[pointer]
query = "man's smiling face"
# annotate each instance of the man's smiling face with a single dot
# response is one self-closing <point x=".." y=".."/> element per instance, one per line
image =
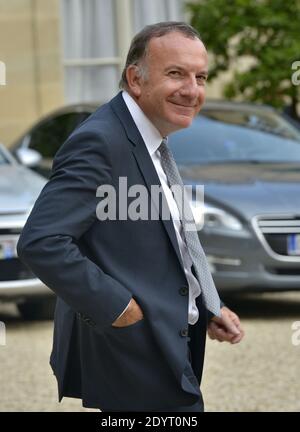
<point x="173" y="89"/>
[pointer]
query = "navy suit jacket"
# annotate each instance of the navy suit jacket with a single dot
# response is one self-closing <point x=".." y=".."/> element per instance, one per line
<point x="95" y="267"/>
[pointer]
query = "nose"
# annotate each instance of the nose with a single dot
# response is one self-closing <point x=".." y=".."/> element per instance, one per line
<point x="190" y="88"/>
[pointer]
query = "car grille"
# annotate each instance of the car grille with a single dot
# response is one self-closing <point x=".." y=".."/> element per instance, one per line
<point x="274" y="233"/>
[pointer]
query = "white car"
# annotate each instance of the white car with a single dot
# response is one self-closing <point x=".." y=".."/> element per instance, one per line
<point x="19" y="188"/>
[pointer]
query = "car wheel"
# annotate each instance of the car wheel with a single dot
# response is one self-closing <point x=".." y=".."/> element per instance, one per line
<point x="40" y="309"/>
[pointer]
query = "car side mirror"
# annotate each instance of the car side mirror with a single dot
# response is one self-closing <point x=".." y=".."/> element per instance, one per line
<point x="28" y="157"/>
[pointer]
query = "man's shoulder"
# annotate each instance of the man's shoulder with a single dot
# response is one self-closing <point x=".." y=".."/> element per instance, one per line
<point x="100" y="131"/>
<point x="102" y="119"/>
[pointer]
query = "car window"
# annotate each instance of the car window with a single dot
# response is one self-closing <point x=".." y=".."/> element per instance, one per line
<point x="225" y="136"/>
<point x="265" y="121"/>
<point x="3" y="158"/>
<point x="47" y="137"/>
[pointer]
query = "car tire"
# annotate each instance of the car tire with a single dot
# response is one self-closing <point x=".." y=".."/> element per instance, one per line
<point x="39" y="309"/>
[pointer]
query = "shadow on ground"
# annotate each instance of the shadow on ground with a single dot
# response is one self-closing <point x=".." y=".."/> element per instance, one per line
<point x="10" y="315"/>
<point x="265" y="305"/>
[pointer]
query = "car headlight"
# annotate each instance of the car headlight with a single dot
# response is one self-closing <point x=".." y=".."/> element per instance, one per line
<point x="208" y="216"/>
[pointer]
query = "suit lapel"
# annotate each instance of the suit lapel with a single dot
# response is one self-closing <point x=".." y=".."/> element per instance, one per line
<point x="144" y="163"/>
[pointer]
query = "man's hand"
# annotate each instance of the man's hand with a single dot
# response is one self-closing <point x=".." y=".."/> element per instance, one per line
<point x="226" y="328"/>
<point x="132" y="314"/>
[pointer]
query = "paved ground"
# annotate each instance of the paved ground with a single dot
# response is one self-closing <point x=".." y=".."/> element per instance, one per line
<point x="260" y="374"/>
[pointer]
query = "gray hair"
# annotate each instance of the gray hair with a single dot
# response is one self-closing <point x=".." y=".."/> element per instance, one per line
<point x="139" y="45"/>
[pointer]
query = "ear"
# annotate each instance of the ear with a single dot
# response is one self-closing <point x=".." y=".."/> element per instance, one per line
<point x="134" y="80"/>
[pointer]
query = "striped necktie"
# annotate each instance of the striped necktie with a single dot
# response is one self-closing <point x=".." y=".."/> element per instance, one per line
<point x="209" y="291"/>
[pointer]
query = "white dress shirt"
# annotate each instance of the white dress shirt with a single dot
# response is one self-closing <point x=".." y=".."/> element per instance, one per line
<point x="153" y="139"/>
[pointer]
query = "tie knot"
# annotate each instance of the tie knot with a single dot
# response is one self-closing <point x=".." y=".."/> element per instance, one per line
<point x="163" y="148"/>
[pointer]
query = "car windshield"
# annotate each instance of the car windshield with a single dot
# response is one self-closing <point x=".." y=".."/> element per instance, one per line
<point x="231" y="136"/>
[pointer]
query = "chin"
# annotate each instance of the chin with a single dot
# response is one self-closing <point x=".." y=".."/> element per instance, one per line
<point x="184" y="122"/>
<point x="176" y="127"/>
<point x="177" y="122"/>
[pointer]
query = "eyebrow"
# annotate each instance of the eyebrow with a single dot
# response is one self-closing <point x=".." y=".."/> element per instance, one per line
<point x="204" y="71"/>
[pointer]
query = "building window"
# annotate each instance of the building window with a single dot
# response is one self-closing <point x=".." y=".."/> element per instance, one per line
<point x="96" y="36"/>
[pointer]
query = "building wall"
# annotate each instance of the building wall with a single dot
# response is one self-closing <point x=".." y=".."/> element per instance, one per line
<point x="30" y="47"/>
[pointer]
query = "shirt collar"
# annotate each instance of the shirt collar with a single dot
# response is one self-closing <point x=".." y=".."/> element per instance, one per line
<point x="150" y="134"/>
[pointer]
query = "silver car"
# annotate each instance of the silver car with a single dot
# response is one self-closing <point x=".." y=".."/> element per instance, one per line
<point x="19" y="188"/>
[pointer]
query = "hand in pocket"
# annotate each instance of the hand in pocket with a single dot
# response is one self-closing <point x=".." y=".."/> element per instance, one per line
<point x="132" y="314"/>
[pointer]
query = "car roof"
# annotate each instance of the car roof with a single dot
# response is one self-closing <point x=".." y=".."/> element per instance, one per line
<point x="235" y="105"/>
<point x="89" y="107"/>
<point x="77" y="107"/>
<point x="209" y="104"/>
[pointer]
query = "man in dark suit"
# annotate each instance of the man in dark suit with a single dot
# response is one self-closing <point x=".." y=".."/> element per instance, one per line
<point x="131" y="315"/>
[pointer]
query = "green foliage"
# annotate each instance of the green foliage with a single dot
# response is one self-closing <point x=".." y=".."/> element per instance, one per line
<point x="266" y="31"/>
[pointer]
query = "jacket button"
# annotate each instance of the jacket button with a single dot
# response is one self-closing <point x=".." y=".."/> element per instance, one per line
<point x="183" y="290"/>
<point x="184" y="332"/>
<point x="86" y="319"/>
<point x="90" y="322"/>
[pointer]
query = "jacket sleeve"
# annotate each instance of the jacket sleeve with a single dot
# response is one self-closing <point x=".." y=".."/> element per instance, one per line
<point x="63" y="212"/>
<point x="210" y="315"/>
